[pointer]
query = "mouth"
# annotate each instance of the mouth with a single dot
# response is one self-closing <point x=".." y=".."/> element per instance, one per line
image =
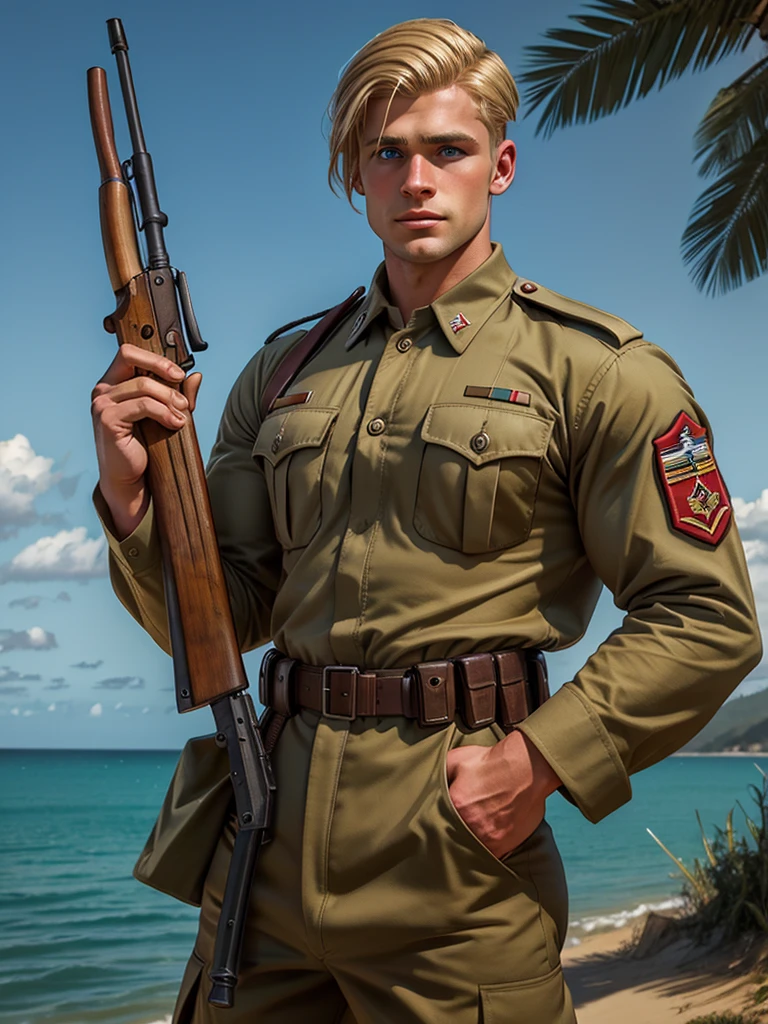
<point x="419" y="219"/>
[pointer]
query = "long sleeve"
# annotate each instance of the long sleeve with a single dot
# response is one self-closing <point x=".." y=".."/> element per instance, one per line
<point x="690" y="633"/>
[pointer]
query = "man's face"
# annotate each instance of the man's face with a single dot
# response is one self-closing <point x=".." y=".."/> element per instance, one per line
<point x="429" y="178"/>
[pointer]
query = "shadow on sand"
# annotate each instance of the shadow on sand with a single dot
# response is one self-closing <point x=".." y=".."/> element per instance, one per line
<point x="676" y="969"/>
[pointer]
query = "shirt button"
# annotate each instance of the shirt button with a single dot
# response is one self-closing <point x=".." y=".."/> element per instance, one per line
<point x="480" y="442"/>
<point x="133" y="552"/>
<point x="528" y="287"/>
<point x="403" y="345"/>
<point x="376" y="426"/>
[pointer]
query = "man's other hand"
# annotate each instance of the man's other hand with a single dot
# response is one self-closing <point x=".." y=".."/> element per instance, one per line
<point x="500" y="791"/>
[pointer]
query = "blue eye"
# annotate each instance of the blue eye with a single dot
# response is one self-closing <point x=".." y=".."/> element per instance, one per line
<point x="451" y="151"/>
<point x="388" y="153"/>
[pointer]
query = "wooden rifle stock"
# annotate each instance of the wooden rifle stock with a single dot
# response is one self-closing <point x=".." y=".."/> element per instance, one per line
<point x="207" y="658"/>
<point x="207" y="665"/>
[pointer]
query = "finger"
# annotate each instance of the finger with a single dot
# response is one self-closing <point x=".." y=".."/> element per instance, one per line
<point x="190" y="388"/>
<point x="130" y="358"/>
<point x="137" y="387"/>
<point x="125" y="413"/>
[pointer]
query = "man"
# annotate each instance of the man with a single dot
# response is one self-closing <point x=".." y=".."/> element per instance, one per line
<point x="444" y="487"/>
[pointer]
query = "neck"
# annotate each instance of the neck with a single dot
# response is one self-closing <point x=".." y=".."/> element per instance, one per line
<point x="413" y="285"/>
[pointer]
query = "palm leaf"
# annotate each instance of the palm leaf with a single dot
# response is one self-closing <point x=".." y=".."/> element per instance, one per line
<point x="726" y="240"/>
<point x="624" y="50"/>
<point x="737" y="116"/>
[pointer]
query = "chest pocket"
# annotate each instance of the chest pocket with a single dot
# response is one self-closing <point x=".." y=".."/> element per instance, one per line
<point x="479" y="476"/>
<point x="293" y="446"/>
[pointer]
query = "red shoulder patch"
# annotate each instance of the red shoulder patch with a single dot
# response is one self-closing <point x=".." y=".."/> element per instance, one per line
<point x="696" y="495"/>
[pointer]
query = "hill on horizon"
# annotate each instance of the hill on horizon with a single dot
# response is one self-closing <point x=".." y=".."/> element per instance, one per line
<point x="740" y="725"/>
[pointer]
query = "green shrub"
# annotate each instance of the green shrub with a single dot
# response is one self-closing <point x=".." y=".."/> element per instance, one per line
<point x="727" y="891"/>
<point x="724" y="1018"/>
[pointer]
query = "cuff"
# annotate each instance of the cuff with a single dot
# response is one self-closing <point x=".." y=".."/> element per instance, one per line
<point x="140" y="550"/>
<point x="571" y="737"/>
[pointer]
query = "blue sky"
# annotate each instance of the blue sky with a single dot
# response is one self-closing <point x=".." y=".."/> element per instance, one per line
<point x="233" y="98"/>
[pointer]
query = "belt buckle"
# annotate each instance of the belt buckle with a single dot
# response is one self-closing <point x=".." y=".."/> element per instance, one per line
<point x="354" y="672"/>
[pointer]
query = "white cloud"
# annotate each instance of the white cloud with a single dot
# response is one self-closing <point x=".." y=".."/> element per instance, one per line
<point x="96" y="711"/>
<point x="27" y="713"/>
<point x="120" y="683"/>
<point x="752" y="520"/>
<point x="33" y="639"/>
<point x="23" y="475"/>
<point x="15" y="711"/>
<point x="752" y="517"/>
<point x="51" y="707"/>
<point x="68" y="555"/>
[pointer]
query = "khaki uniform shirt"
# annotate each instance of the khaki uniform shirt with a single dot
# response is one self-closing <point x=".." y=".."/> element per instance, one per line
<point x="392" y="518"/>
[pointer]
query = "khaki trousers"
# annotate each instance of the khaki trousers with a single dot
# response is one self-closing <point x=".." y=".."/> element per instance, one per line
<point x="375" y="904"/>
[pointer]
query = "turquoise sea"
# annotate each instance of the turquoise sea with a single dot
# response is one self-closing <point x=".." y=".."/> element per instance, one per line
<point x="82" y="942"/>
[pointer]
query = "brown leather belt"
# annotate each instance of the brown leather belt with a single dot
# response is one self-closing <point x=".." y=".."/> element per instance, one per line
<point x="505" y="686"/>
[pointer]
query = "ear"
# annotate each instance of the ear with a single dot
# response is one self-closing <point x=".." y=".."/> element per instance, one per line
<point x="357" y="183"/>
<point x="504" y="172"/>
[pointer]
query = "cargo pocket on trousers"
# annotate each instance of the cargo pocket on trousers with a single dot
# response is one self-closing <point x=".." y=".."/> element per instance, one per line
<point x="292" y="446"/>
<point x="479" y="476"/>
<point x="544" y="1000"/>
<point x="184" y="1010"/>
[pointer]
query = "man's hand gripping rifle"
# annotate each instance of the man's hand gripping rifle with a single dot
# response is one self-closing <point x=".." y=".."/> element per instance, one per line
<point x="154" y="312"/>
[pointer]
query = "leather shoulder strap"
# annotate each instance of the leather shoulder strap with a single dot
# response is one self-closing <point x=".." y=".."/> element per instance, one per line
<point x="300" y="354"/>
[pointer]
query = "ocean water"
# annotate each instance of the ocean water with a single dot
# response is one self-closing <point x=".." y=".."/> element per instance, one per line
<point x="82" y="942"/>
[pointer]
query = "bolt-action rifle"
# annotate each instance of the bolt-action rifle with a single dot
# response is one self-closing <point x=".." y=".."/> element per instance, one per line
<point x="154" y="311"/>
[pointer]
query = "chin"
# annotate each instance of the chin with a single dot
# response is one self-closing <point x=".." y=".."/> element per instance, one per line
<point x="425" y="250"/>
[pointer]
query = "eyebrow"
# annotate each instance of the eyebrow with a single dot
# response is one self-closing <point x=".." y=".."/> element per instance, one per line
<point x="429" y="140"/>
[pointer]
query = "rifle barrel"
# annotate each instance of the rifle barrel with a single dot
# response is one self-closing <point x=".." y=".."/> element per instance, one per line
<point x="153" y="220"/>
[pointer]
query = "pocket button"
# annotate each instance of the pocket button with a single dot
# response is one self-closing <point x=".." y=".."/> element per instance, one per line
<point x="479" y="443"/>
<point x="376" y="426"/>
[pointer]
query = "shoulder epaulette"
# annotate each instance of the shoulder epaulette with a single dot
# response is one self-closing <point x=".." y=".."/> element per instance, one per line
<point x="619" y="331"/>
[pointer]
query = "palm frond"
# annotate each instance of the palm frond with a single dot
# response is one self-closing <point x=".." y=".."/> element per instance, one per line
<point x="735" y="118"/>
<point x="726" y="240"/>
<point x="624" y="50"/>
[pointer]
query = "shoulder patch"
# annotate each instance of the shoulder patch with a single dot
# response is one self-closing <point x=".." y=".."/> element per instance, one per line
<point x="697" y="500"/>
<point x="618" y="331"/>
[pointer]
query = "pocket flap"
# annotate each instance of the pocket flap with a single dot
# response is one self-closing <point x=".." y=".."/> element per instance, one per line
<point x="506" y="431"/>
<point x="544" y="999"/>
<point x="283" y="432"/>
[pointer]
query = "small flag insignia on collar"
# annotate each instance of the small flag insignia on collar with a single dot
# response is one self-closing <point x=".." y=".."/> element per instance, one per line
<point x="498" y="394"/>
<point x="458" y="323"/>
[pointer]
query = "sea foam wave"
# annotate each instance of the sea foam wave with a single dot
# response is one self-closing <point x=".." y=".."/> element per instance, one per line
<point x="604" y="922"/>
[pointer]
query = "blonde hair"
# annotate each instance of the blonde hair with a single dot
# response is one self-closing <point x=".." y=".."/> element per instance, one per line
<point x="413" y="58"/>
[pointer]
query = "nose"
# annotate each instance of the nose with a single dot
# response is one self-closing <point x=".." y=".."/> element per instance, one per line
<point x="418" y="180"/>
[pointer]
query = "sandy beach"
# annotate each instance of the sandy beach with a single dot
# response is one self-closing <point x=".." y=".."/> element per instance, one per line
<point x="677" y="983"/>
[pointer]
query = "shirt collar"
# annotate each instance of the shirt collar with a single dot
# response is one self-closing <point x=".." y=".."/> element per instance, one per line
<point x="460" y="312"/>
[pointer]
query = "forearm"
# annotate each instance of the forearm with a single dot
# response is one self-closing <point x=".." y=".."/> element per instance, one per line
<point x="127" y="505"/>
<point x="644" y="693"/>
